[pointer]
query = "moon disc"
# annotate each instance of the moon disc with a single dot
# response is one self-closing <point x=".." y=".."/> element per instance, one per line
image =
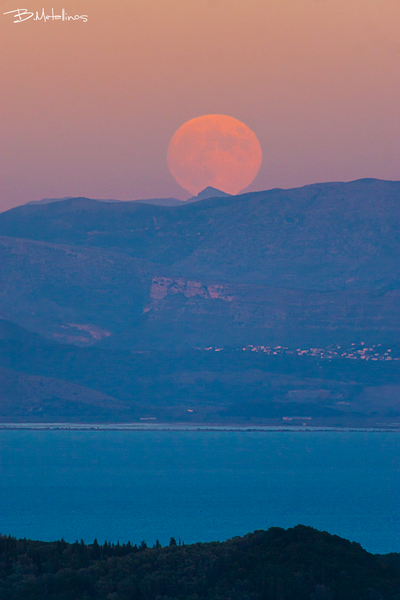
<point x="214" y="150"/>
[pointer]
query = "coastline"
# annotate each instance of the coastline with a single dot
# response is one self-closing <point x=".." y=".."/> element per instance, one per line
<point x="185" y="427"/>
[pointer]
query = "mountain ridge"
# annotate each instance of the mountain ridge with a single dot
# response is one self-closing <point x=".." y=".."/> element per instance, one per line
<point x="325" y="236"/>
<point x="313" y="267"/>
<point x="208" y="192"/>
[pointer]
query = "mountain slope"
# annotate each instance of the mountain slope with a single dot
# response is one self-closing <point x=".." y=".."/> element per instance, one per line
<point x="63" y="382"/>
<point x="72" y="294"/>
<point x="24" y="396"/>
<point x="325" y="236"/>
<point x="137" y="293"/>
<point x="311" y="264"/>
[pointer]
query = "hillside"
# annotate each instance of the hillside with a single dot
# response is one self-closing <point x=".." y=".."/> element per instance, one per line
<point x="317" y="264"/>
<point x="297" y="564"/>
<point x="72" y="294"/>
<point x="46" y="381"/>
<point x="114" y="289"/>
<point x="324" y="236"/>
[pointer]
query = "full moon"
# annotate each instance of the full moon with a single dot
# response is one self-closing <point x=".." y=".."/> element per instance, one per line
<point x="214" y="150"/>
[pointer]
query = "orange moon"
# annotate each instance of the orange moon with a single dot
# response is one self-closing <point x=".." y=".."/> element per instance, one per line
<point x="214" y="150"/>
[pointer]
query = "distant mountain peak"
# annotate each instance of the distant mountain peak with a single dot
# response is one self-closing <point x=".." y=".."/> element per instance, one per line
<point x="209" y="192"/>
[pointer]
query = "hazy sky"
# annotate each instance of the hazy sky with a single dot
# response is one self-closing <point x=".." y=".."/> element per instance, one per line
<point x="89" y="108"/>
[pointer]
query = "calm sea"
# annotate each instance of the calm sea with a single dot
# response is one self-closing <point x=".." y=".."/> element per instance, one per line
<point x="199" y="486"/>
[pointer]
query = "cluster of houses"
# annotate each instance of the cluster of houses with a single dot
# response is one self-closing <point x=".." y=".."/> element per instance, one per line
<point x="361" y="351"/>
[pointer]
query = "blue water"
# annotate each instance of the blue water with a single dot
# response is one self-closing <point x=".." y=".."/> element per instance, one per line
<point x="199" y="486"/>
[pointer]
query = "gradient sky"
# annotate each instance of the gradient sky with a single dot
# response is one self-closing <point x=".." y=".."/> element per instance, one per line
<point x="89" y="108"/>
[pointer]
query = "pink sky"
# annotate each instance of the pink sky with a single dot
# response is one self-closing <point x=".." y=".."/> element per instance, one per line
<point x="89" y="108"/>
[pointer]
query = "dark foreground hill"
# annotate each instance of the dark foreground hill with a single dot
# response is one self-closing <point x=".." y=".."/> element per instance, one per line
<point x="298" y="564"/>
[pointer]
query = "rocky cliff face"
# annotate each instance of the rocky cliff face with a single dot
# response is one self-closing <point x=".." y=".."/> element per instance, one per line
<point x="207" y="313"/>
<point x="164" y="286"/>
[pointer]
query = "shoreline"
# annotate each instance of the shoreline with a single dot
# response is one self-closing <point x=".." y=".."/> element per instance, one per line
<point x="185" y="427"/>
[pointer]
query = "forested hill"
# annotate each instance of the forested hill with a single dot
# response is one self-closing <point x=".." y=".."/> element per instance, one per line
<point x="297" y="564"/>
